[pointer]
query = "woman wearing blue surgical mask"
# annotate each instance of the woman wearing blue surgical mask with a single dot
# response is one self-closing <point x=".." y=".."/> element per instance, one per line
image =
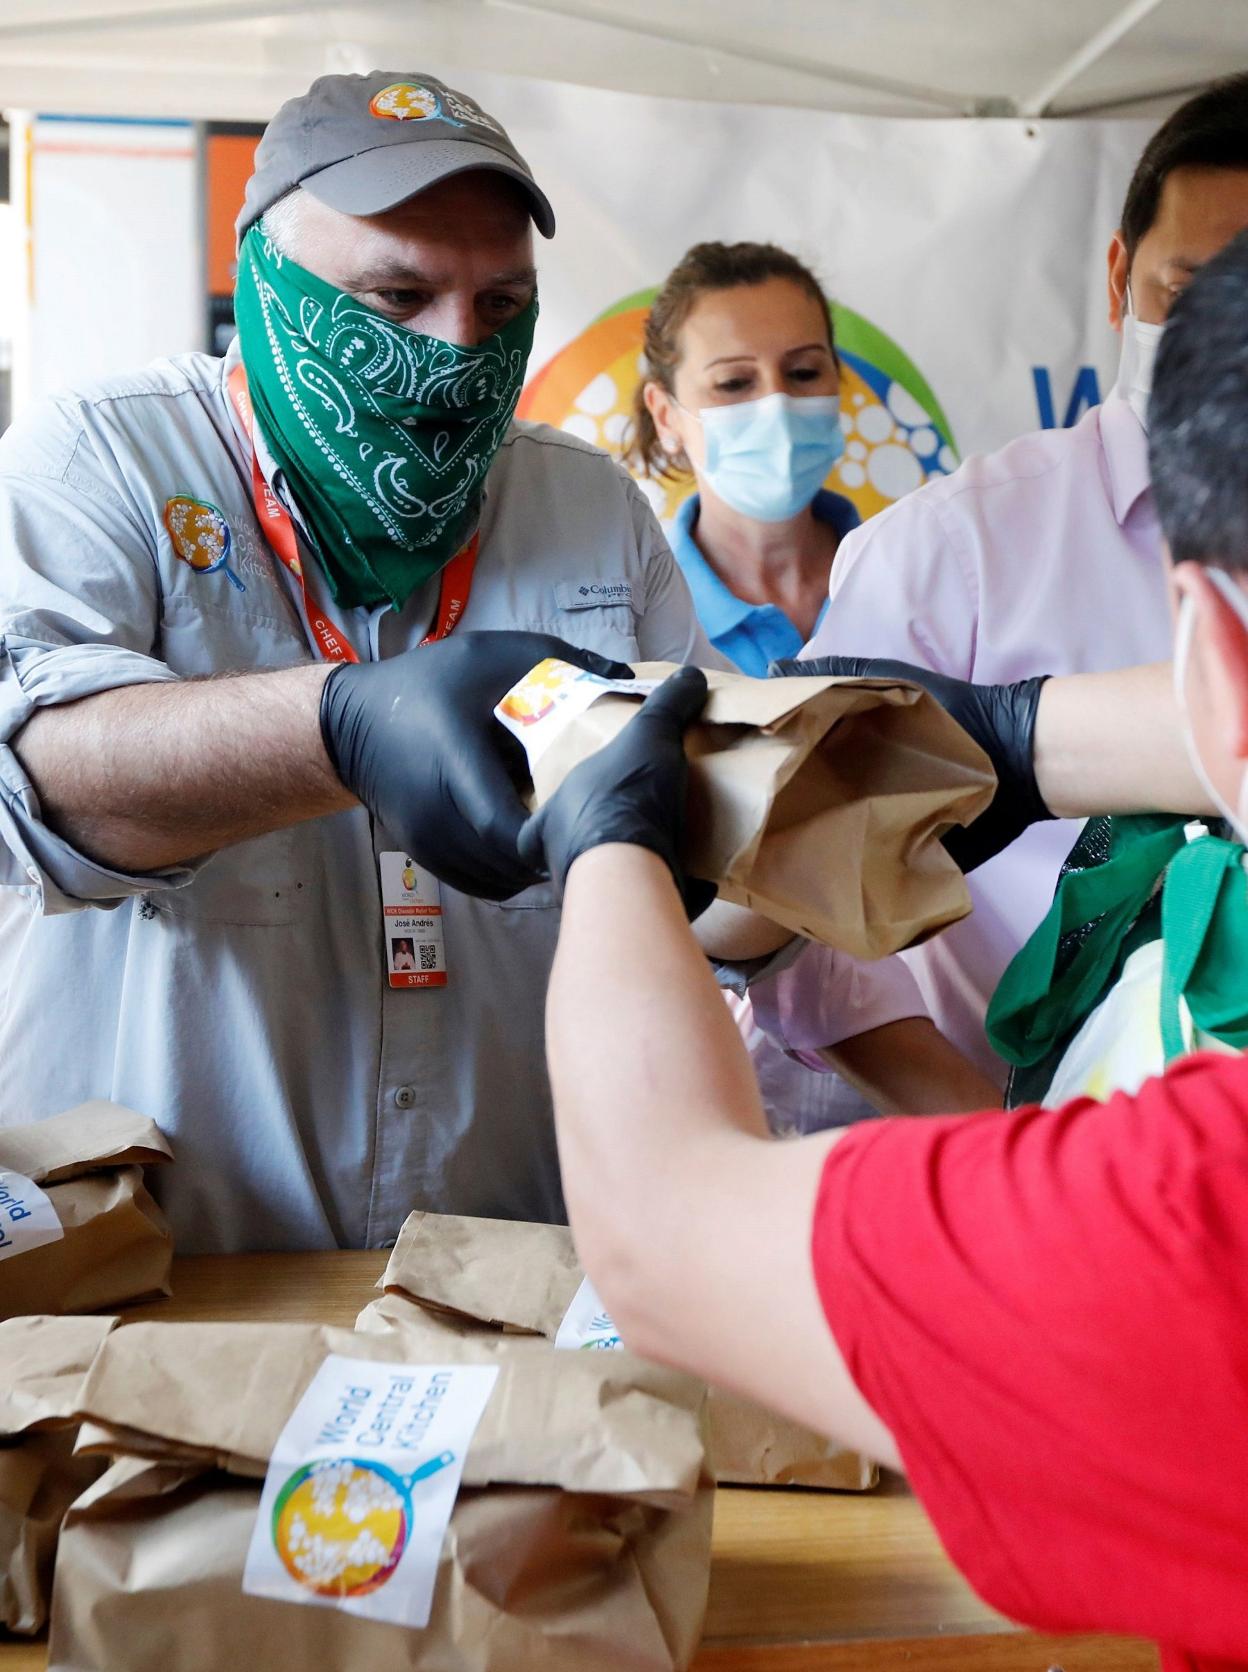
<point x="744" y="393"/>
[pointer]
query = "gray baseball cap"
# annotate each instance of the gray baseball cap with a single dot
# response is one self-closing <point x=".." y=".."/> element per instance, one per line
<point x="364" y="143"/>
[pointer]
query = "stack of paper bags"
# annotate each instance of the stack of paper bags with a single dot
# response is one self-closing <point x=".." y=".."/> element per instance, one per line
<point x="45" y="1362"/>
<point x="818" y="802"/>
<point x="78" y="1229"/>
<point x="579" y="1536"/>
<point x="475" y="1275"/>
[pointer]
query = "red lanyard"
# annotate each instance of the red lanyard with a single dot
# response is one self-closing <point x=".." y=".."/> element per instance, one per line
<point x="279" y="530"/>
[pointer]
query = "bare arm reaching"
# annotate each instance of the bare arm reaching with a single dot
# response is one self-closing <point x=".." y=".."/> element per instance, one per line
<point x="741" y="1307"/>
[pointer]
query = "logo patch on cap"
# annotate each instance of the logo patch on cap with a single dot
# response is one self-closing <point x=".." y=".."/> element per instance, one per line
<point x="411" y="101"/>
<point x="407" y="101"/>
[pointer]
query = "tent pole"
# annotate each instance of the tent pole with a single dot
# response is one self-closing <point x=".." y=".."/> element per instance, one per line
<point x="1092" y="49"/>
<point x="234" y="11"/>
<point x="953" y="104"/>
<point x="1141" y="95"/>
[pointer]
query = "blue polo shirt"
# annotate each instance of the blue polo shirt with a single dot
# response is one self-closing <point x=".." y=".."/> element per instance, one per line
<point x="751" y="635"/>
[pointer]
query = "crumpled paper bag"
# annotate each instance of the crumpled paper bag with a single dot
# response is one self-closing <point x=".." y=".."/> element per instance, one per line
<point x="45" y="1361"/>
<point x="818" y="802"/>
<point x="580" y="1537"/>
<point x="117" y="1244"/>
<point x="502" y="1274"/>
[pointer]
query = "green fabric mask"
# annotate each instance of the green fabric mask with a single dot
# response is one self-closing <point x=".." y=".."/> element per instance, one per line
<point x="385" y="436"/>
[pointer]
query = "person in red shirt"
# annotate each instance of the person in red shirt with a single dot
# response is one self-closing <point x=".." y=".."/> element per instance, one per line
<point x="1041" y="1316"/>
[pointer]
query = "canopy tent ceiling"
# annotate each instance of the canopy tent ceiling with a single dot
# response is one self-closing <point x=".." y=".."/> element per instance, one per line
<point x="237" y="59"/>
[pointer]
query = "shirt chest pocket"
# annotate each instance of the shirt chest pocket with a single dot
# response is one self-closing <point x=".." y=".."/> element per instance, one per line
<point x="254" y="884"/>
<point x="601" y="615"/>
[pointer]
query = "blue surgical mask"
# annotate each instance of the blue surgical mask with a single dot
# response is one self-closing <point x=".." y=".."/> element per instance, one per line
<point x="767" y="459"/>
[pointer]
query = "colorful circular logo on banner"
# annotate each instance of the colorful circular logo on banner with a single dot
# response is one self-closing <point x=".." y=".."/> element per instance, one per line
<point x="896" y="433"/>
<point x="340" y="1525"/>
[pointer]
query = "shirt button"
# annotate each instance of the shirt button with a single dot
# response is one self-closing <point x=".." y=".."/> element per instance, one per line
<point x="405" y="1096"/>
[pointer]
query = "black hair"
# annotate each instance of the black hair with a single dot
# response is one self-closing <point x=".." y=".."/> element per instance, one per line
<point x="1209" y="131"/>
<point x="1198" y="415"/>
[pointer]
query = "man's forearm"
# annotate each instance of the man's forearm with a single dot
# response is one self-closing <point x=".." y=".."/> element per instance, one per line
<point x="148" y="776"/>
<point x="736" y="935"/>
<point x="908" y="1067"/>
<point x="1113" y="743"/>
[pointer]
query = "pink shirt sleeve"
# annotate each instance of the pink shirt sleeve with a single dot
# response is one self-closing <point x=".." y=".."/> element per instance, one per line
<point x="905" y="585"/>
<point x="824" y="997"/>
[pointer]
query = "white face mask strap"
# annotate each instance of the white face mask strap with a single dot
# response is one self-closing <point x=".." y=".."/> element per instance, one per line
<point x="1225" y="584"/>
<point x="1230" y="590"/>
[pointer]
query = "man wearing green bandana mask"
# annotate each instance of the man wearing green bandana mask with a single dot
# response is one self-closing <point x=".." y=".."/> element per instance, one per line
<point x="344" y="518"/>
<point x="334" y="380"/>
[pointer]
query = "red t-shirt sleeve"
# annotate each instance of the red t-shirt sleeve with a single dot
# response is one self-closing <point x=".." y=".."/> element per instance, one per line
<point x="1050" y="1312"/>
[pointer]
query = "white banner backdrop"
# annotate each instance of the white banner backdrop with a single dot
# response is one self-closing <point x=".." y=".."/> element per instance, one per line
<point x="968" y="257"/>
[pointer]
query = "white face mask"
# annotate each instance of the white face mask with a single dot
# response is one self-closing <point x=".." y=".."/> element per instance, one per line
<point x="768" y="458"/>
<point x="1236" y="817"/>
<point x="1135" y="365"/>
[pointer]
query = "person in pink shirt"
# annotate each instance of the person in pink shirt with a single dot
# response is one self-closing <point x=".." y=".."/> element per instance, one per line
<point x="1044" y="557"/>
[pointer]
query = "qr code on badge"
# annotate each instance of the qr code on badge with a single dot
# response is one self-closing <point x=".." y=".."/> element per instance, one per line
<point x="428" y="957"/>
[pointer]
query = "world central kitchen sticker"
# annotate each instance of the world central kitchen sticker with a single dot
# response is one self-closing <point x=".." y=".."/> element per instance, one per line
<point x="361" y="1485"/>
<point x="27" y="1217"/>
<point x="539" y="706"/>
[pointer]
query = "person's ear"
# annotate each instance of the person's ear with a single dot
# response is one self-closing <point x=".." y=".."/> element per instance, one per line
<point x="1220" y="640"/>
<point x="1119" y="273"/>
<point x="659" y="405"/>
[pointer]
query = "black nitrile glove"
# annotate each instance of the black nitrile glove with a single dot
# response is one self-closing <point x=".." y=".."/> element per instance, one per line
<point x="415" y="739"/>
<point x="631" y="791"/>
<point x="1001" y="719"/>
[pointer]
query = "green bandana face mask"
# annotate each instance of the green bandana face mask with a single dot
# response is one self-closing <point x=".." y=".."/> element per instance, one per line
<point x="385" y="435"/>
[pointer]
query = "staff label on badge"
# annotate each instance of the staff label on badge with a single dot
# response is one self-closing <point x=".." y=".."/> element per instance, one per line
<point x="27" y="1217"/>
<point x="361" y="1486"/>
<point x="411" y="906"/>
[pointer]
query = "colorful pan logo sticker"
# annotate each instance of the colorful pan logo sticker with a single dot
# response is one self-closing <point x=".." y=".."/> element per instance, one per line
<point x="200" y="535"/>
<point x="407" y="101"/>
<point x="896" y="433"/>
<point x="341" y="1525"/>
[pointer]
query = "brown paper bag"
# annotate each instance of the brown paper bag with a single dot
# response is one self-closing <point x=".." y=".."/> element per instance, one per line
<point x="117" y="1245"/>
<point x="503" y="1274"/>
<point x="580" y="1537"/>
<point x="43" y="1366"/>
<point x="818" y="802"/>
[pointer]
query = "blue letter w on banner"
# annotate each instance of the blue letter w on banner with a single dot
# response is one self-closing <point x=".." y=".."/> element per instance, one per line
<point x="1084" y="392"/>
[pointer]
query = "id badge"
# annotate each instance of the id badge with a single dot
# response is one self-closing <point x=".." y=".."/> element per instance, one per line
<point x="411" y="905"/>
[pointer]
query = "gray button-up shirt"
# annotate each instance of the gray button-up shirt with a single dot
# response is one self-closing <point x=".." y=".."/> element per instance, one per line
<point x="244" y="1003"/>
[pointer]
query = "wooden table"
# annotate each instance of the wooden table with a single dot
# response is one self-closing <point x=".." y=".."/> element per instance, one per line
<point x="800" y="1581"/>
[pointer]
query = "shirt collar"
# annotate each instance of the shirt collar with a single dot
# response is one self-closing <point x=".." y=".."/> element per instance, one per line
<point x="1125" y="446"/>
<point x="717" y="607"/>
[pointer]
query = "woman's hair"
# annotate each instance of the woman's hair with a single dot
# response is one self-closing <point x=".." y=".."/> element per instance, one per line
<point x="703" y="268"/>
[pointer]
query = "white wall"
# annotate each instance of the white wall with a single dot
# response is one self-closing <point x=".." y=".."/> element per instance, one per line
<point x="115" y="240"/>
